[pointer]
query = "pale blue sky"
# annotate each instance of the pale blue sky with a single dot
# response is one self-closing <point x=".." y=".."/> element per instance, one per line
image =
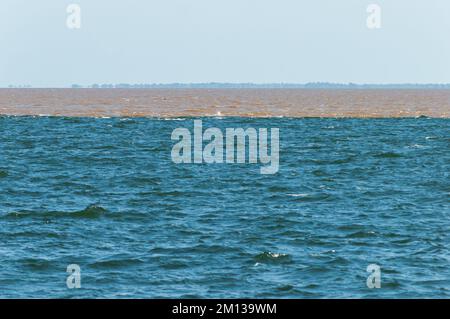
<point x="149" y="41"/>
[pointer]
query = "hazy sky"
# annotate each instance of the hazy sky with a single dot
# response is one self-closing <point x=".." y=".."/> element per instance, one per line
<point x="148" y="41"/>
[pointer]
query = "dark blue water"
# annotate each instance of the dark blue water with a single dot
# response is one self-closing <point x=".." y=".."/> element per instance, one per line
<point x="104" y="194"/>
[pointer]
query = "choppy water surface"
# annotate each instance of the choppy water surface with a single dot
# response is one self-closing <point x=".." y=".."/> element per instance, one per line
<point x="104" y="194"/>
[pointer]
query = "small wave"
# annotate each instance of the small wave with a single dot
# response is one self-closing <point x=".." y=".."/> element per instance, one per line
<point x="324" y="253"/>
<point x="392" y="285"/>
<point x="174" y="264"/>
<point x="273" y="258"/>
<point x="388" y="155"/>
<point x="351" y="227"/>
<point x="33" y="234"/>
<point x="36" y="263"/>
<point x="415" y="146"/>
<point x="199" y="249"/>
<point x="116" y="263"/>
<point x="298" y="195"/>
<point x="361" y="234"/>
<point x="285" y="288"/>
<point x="92" y="211"/>
<point x="172" y="118"/>
<point x="277" y="189"/>
<point x="174" y="193"/>
<point x="345" y="160"/>
<point x="319" y="172"/>
<point x="311" y="197"/>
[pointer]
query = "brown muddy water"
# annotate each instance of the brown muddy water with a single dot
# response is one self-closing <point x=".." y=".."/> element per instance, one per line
<point x="226" y="102"/>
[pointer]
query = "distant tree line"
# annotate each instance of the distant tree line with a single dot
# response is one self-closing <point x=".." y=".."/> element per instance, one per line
<point x="24" y="86"/>
<point x="311" y="85"/>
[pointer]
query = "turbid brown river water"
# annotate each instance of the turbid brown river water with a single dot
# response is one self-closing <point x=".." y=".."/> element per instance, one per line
<point x="226" y="102"/>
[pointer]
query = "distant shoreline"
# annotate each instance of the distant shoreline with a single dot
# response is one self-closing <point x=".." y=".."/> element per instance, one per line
<point x="220" y="85"/>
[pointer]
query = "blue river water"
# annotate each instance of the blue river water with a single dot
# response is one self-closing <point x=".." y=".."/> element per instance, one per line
<point x="104" y="194"/>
